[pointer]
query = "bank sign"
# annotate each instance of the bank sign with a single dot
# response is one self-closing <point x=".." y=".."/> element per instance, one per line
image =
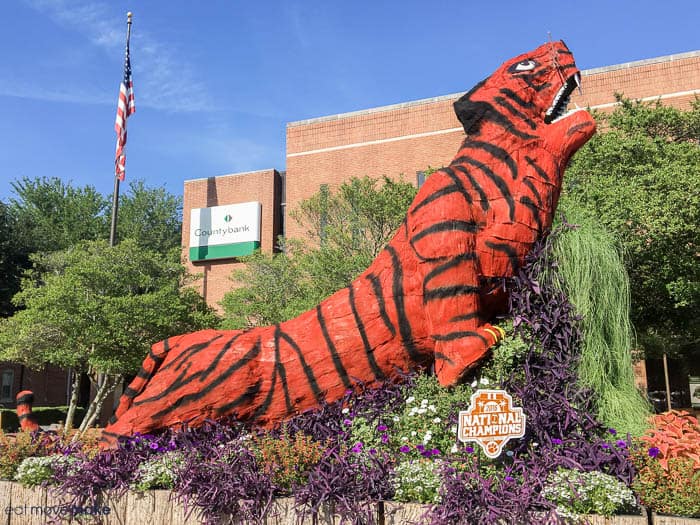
<point x="223" y="232"/>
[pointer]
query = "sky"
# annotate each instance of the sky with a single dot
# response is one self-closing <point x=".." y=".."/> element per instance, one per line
<point x="216" y="81"/>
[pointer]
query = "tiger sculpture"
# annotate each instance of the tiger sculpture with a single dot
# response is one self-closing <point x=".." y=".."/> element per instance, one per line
<point x="425" y="300"/>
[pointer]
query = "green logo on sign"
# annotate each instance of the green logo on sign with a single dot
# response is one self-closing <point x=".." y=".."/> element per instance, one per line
<point x="228" y="218"/>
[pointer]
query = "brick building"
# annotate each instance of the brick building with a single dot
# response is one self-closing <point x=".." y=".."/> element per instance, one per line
<point x="401" y="139"/>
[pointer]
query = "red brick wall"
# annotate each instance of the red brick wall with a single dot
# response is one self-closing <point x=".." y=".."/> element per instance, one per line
<point x="261" y="186"/>
<point x="49" y="385"/>
<point x="406" y="138"/>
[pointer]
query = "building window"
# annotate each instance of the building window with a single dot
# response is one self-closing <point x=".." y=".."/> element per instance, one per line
<point x="420" y="178"/>
<point x="8" y="382"/>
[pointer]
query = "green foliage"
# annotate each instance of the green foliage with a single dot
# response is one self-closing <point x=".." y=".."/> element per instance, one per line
<point x="640" y="178"/>
<point x="14" y="257"/>
<point x="418" y="481"/>
<point x="423" y="423"/>
<point x="276" y="289"/>
<point x="597" y="285"/>
<point x="347" y="230"/>
<point x="672" y="490"/>
<point x="507" y="357"/>
<point x="44" y="416"/>
<point x="152" y="217"/>
<point x="579" y="493"/>
<point x="37" y="470"/>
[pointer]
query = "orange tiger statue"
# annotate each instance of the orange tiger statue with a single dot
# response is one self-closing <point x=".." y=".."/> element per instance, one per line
<point x="427" y="297"/>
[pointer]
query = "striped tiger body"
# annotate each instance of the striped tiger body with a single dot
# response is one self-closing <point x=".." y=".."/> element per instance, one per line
<point x="27" y="420"/>
<point x="427" y="297"/>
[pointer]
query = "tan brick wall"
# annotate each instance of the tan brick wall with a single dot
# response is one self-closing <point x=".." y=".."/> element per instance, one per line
<point x="261" y="186"/>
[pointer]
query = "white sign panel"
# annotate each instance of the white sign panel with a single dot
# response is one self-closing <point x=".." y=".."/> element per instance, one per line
<point x="223" y="232"/>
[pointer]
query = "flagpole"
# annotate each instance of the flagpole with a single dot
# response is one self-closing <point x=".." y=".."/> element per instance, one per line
<point x="115" y="193"/>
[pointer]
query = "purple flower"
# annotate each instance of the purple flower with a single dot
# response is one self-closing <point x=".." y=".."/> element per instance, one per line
<point x="556" y="441"/>
<point x="621" y="443"/>
<point x="381" y="428"/>
<point x="653" y="452"/>
<point x="347" y="422"/>
<point x="468" y="449"/>
<point x="372" y="451"/>
<point x="153" y="446"/>
<point x="508" y="478"/>
<point x="435" y="452"/>
<point x="357" y="447"/>
<point x="605" y="445"/>
<point x="425" y="454"/>
<point x="405" y="449"/>
<point x="385" y="438"/>
<point x="612" y="431"/>
<point x="420" y="448"/>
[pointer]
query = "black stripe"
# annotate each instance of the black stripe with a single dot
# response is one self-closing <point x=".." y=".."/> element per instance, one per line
<point x="578" y="127"/>
<point x="527" y="202"/>
<point x="536" y="87"/>
<point x="509" y="251"/>
<point x="397" y="291"/>
<point x="308" y="371"/>
<point x="449" y="171"/>
<point x="215" y="362"/>
<point x="369" y="351"/>
<point x="498" y="181"/>
<point x="445" y="292"/>
<point x="130" y="392"/>
<point x="246" y="396"/>
<point x="562" y="52"/>
<point x="443" y="357"/>
<point x="532" y="162"/>
<point x="515" y="112"/>
<point x="446" y="226"/>
<point x="342" y="373"/>
<point x="22" y="417"/>
<point x="459" y="335"/>
<point x="26" y="399"/>
<point x="483" y="198"/>
<point x="143" y="374"/>
<point x="452" y="188"/>
<point x="453" y="262"/>
<point x="265" y="405"/>
<point x="498" y="118"/>
<point x="515" y="98"/>
<point x="567" y="66"/>
<point x="534" y="191"/>
<point x="379" y="294"/>
<point x="113" y="419"/>
<point x="279" y="367"/>
<point x="497" y="152"/>
<point x="465" y="317"/>
<point x="186" y="353"/>
<point x="181" y="381"/>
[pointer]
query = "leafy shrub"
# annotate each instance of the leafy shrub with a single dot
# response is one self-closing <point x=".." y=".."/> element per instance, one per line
<point x="418" y="480"/>
<point x="287" y="460"/>
<point x="668" y="464"/>
<point x="578" y="493"/>
<point x="160" y="472"/>
<point x="15" y="449"/>
<point x="37" y="470"/>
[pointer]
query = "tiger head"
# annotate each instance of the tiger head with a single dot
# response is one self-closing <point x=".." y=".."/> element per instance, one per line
<point x="526" y="99"/>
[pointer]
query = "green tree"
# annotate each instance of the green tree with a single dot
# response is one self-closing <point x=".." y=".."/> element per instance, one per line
<point x="640" y="178"/>
<point x="345" y="232"/>
<point x="150" y="216"/>
<point x="98" y="309"/>
<point x="55" y="215"/>
<point x="14" y="257"/>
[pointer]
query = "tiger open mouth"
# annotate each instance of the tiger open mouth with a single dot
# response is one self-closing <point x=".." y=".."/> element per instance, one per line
<point x="558" y="108"/>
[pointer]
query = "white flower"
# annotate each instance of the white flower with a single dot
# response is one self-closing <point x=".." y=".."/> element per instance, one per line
<point x="410" y="400"/>
<point x="437" y="420"/>
<point x="395" y="419"/>
<point x="421" y="410"/>
<point x="424" y="403"/>
<point x="404" y="438"/>
<point x="345" y="410"/>
<point x="453" y="429"/>
<point x="484" y="381"/>
<point x="454" y="449"/>
<point x="414" y="433"/>
<point x="474" y="383"/>
<point x="432" y="408"/>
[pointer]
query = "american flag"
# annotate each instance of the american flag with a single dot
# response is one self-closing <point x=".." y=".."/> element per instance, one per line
<point x="125" y="107"/>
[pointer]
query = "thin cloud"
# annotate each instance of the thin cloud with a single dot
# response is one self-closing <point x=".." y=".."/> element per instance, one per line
<point x="162" y="80"/>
